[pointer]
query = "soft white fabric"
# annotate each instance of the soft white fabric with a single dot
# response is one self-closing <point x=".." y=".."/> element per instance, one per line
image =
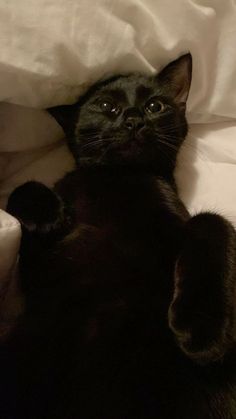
<point x="10" y="234"/>
<point x="52" y="49"/>
<point x="206" y="170"/>
<point x="31" y="146"/>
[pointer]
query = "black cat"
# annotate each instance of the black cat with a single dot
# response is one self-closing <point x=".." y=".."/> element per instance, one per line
<point x="129" y="302"/>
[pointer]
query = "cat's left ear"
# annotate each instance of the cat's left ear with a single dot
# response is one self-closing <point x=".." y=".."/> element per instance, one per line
<point x="66" y="116"/>
<point x="176" y="78"/>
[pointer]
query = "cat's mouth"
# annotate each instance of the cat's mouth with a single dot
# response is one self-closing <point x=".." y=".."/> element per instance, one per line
<point x="131" y="147"/>
<point x="128" y="150"/>
<point x="138" y="138"/>
<point x="134" y="143"/>
<point x="136" y="147"/>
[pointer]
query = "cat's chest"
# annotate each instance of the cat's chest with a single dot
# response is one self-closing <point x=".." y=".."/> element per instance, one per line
<point x="125" y="235"/>
<point x="134" y="206"/>
<point x="120" y="253"/>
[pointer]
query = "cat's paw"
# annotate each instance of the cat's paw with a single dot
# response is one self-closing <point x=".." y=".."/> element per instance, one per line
<point x="202" y="312"/>
<point x="38" y="209"/>
<point x="202" y="337"/>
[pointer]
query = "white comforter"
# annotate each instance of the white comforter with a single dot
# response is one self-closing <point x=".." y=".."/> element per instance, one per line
<point x="51" y="50"/>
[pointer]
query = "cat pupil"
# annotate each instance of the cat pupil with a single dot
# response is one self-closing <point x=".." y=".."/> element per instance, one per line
<point x="155" y="106"/>
<point x="107" y="106"/>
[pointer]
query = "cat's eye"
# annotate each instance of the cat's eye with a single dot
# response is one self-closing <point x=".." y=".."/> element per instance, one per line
<point x="108" y="107"/>
<point x="154" y="105"/>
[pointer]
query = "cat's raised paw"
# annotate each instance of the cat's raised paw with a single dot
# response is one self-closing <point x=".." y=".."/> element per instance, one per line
<point x="201" y="338"/>
<point x="202" y="312"/>
<point x="38" y="208"/>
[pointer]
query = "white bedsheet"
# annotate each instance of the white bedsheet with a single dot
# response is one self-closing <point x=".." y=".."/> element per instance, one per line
<point x="52" y="49"/>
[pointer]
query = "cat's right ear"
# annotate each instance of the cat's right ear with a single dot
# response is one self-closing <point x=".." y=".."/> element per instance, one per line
<point x="176" y="78"/>
<point x="66" y="116"/>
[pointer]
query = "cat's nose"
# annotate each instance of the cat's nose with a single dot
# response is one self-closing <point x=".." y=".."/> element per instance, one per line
<point x="134" y="123"/>
<point x="133" y="119"/>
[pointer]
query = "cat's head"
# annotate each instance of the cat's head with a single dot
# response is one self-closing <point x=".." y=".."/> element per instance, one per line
<point x="134" y="120"/>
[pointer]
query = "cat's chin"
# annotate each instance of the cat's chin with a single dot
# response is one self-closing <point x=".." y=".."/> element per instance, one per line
<point x="130" y="148"/>
<point x="137" y="152"/>
<point x="122" y="153"/>
<point x="129" y="154"/>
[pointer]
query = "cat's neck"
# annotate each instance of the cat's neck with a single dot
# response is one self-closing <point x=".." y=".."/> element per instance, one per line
<point x="127" y="171"/>
<point x="113" y="182"/>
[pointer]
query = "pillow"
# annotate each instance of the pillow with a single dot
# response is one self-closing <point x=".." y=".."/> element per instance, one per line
<point x="50" y="51"/>
<point x="31" y="146"/>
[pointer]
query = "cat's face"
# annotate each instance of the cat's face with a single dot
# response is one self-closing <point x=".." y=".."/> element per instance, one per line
<point x="135" y="120"/>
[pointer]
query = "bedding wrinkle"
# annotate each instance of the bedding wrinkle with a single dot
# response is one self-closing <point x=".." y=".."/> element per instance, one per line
<point x="51" y="49"/>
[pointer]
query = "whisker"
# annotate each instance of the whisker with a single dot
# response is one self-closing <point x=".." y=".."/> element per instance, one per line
<point x="172" y="126"/>
<point x="170" y="139"/>
<point x="94" y="144"/>
<point x="167" y="144"/>
<point x="199" y="153"/>
<point x="165" y="152"/>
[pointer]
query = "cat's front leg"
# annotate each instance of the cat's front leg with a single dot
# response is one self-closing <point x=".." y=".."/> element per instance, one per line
<point x="39" y="209"/>
<point x="202" y="312"/>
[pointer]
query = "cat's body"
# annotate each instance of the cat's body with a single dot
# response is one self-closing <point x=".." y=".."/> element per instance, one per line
<point x="128" y="301"/>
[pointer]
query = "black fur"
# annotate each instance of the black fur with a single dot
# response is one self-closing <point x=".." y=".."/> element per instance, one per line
<point x="129" y="302"/>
